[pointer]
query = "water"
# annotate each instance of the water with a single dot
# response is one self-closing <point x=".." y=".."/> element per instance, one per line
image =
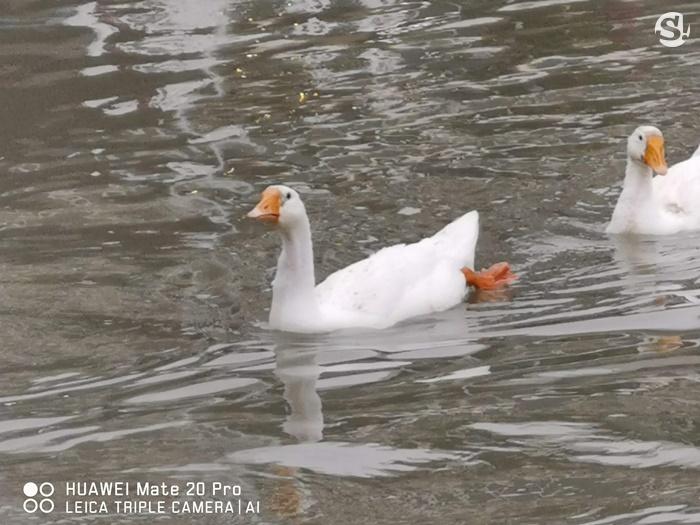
<point x="134" y="296"/>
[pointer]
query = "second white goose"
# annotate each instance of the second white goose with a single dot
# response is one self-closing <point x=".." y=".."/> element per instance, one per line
<point x="666" y="204"/>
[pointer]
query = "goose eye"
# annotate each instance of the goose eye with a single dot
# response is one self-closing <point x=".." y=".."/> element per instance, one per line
<point x="640" y="137"/>
<point x="289" y="196"/>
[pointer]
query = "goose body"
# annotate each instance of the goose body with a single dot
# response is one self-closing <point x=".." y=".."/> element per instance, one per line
<point x="405" y="280"/>
<point x="661" y="205"/>
<point x="394" y="284"/>
<point x="677" y="196"/>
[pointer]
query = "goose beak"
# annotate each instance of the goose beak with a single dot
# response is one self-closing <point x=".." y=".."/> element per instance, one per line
<point x="268" y="209"/>
<point x="654" y="156"/>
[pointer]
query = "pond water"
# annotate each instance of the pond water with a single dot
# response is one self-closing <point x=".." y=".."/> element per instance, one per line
<point x="135" y="135"/>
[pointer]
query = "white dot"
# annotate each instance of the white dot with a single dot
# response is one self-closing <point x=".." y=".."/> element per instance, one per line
<point x="30" y="489"/>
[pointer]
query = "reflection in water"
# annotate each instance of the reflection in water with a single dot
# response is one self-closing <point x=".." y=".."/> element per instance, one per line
<point x="337" y="458"/>
<point x="662" y="344"/>
<point x="88" y="15"/>
<point x="636" y="254"/>
<point x="299" y="371"/>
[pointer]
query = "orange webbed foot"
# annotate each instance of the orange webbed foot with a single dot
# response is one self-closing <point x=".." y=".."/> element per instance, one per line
<point x="497" y="276"/>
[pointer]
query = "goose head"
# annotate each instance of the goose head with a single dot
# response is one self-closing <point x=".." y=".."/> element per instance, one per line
<point x="279" y="205"/>
<point x="646" y="146"/>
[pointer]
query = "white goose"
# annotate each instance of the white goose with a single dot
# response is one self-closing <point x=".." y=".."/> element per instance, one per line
<point x="656" y="205"/>
<point x="396" y="283"/>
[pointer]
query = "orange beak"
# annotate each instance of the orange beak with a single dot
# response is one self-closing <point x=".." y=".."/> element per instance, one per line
<point x="654" y="156"/>
<point x="268" y="209"/>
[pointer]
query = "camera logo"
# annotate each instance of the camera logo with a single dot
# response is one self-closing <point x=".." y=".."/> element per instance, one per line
<point x="32" y="503"/>
<point x="671" y="31"/>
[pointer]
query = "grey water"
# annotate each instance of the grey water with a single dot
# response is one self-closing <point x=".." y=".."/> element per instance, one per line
<point x="134" y="136"/>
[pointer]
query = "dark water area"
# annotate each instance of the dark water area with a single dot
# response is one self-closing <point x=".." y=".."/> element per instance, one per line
<point x="134" y="136"/>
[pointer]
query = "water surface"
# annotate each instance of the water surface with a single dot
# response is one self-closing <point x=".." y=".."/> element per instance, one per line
<point x="137" y="134"/>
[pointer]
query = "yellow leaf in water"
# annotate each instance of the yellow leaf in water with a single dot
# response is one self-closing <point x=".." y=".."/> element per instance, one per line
<point x="302" y="97"/>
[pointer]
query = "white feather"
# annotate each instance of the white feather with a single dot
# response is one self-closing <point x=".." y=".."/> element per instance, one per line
<point x="677" y="196"/>
<point x="404" y="280"/>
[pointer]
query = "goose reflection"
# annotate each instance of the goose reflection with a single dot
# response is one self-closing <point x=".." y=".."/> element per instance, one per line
<point x="662" y="267"/>
<point x="299" y="371"/>
<point x="636" y="254"/>
<point x="661" y="344"/>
